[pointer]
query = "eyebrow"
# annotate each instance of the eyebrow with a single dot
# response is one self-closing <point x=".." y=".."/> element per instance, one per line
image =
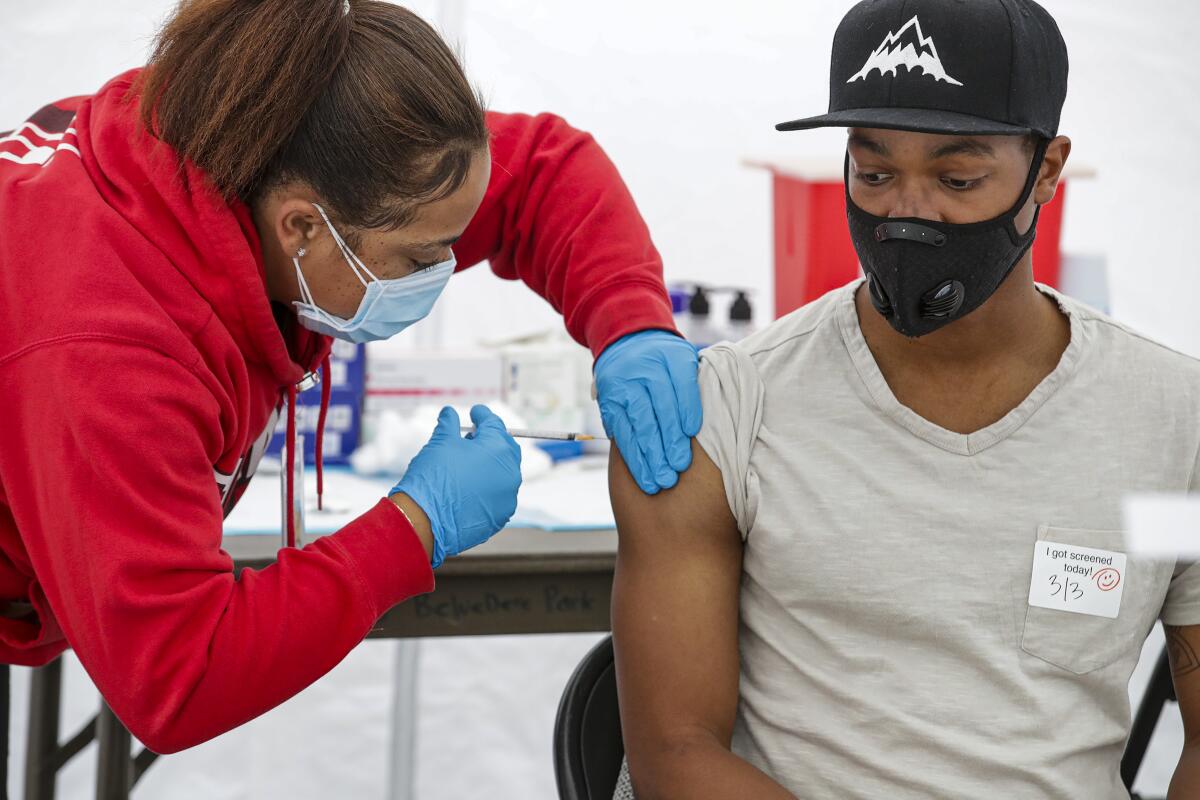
<point x="431" y="245"/>
<point x="964" y="147"/>
<point x="958" y="147"/>
<point x="878" y="148"/>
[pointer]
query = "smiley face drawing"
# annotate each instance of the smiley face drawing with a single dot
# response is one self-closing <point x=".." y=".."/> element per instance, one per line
<point x="1107" y="579"/>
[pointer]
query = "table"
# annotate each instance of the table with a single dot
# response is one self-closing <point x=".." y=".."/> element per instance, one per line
<point x="522" y="581"/>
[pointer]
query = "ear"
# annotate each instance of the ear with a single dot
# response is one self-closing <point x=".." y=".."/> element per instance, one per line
<point x="1057" y="153"/>
<point x="294" y="219"/>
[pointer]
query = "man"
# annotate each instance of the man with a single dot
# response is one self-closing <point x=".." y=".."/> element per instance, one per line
<point x="896" y="569"/>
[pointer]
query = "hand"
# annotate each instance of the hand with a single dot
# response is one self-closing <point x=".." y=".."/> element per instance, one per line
<point x="650" y="403"/>
<point x="466" y="486"/>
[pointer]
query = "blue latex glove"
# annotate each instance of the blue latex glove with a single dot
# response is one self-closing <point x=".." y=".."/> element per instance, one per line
<point x="650" y="403"/>
<point x="466" y="486"/>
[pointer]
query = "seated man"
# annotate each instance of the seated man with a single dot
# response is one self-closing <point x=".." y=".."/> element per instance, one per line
<point x="896" y="569"/>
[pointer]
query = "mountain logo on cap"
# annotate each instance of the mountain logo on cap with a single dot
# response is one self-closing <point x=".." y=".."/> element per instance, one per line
<point x="909" y="48"/>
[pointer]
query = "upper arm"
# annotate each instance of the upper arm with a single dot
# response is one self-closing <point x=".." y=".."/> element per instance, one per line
<point x="675" y="611"/>
<point x="1183" y="649"/>
<point x="558" y="217"/>
<point x="1183" y="641"/>
<point x="527" y="154"/>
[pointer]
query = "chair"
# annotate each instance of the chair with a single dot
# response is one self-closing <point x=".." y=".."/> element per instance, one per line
<point x="587" y="731"/>
<point x="1159" y="692"/>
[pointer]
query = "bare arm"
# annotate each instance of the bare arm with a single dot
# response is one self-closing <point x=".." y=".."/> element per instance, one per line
<point x="675" y="621"/>
<point x="1183" y="649"/>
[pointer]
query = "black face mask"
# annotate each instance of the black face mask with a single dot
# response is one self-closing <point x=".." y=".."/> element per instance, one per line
<point x="922" y="274"/>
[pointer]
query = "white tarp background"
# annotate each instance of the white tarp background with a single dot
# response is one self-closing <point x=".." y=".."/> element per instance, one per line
<point x="678" y="93"/>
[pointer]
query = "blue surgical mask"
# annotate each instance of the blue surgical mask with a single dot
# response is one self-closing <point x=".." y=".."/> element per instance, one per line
<point x="387" y="307"/>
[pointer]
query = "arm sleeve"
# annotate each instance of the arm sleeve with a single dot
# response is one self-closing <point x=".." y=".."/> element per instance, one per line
<point x="731" y="392"/>
<point x="558" y="217"/>
<point x="1182" y="605"/>
<point x="106" y="456"/>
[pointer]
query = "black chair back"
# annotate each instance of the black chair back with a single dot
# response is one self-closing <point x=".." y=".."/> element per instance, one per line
<point x="587" y="731"/>
<point x="588" y="749"/>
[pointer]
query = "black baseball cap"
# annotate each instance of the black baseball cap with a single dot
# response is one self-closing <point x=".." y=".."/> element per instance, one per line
<point x="969" y="67"/>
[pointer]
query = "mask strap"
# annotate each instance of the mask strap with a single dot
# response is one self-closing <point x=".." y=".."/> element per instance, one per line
<point x="305" y="293"/>
<point x="306" y="296"/>
<point x="356" y="265"/>
<point x="1035" y="168"/>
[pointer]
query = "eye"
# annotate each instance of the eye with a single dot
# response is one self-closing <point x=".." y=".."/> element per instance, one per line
<point x="962" y="184"/>
<point x="419" y="267"/>
<point x="873" y="178"/>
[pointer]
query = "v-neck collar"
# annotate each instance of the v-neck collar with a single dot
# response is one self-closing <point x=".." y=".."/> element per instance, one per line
<point x="967" y="444"/>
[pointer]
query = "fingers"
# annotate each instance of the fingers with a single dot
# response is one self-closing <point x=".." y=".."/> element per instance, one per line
<point x="683" y="367"/>
<point x="489" y="427"/>
<point x="676" y="445"/>
<point x="616" y="422"/>
<point x="646" y="426"/>
<point x="447" y="424"/>
<point x="483" y="417"/>
<point x="631" y="414"/>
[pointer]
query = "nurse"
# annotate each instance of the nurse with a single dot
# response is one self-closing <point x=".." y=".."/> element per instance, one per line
<point x="176" y="251"/>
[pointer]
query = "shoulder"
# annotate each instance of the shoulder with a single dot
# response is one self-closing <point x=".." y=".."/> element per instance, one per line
<point x="793" y="330"/>
<point x="1130" y="354"/>
<point x="804" y="333"/>
<point x="734" y="382"/>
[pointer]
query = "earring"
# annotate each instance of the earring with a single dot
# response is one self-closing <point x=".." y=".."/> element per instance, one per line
<point x="301" y="253"/>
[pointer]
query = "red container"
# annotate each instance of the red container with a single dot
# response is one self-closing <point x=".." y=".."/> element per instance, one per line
<point x="813" y="252"/>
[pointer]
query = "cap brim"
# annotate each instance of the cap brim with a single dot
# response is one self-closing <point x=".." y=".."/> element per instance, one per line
<point x="921" y="120"/>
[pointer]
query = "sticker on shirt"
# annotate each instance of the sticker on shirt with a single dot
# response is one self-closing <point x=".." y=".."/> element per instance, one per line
<point x="1081" y="580"/>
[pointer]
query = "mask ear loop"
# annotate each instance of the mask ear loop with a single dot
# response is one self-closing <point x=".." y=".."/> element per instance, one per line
<point x="1039" y="157"/>
<point x="356" y="266"/>
<point x="356" y="263"/>
<point x="306" y="295"/>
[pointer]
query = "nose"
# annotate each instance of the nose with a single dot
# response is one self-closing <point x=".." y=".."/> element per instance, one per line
<point x="911" y="200"/>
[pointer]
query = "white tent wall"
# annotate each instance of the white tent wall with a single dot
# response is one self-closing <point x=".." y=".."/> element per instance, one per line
<point x="678" y="93"/>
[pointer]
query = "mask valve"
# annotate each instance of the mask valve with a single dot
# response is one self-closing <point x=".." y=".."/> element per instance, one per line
<point x="879" y="298"/>
<point x="943" y="301"/>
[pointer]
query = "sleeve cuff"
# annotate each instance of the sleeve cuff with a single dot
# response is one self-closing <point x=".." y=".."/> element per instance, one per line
<point x="388" y="556"/>
<point x="1181" y="616"/>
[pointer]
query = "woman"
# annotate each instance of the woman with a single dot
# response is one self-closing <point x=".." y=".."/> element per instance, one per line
<point x="176" y="250"/>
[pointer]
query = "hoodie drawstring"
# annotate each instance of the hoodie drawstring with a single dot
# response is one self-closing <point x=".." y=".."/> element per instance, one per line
<point x="291" y="466"/>
<point x="325" y="389"/>
<point x="291" y="447"/>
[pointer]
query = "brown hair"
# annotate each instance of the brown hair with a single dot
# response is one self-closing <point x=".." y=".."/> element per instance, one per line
<point x="361" y="100"/>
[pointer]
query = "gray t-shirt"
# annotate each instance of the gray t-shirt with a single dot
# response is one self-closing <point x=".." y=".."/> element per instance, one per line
<point x="888" y="648"/>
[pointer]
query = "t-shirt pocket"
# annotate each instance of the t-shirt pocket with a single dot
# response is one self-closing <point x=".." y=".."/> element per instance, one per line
<point x="1081" y="643"/>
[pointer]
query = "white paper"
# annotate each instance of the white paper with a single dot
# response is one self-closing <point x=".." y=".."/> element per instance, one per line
<point x="1080" y="580"/>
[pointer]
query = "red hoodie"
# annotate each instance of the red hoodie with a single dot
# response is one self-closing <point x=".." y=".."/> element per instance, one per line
<point x="142" y="369"/>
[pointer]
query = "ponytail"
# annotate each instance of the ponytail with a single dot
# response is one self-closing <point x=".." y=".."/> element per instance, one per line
<point x="362" y="100"/>
<point x="230" y="80"/>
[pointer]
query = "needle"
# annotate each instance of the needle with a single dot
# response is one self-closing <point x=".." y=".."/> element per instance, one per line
<point x="562" y="436"/>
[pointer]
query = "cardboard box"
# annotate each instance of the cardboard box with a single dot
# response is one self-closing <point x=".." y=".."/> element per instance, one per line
<point x="343" y="423"/>
<point x="408" y="380"/>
